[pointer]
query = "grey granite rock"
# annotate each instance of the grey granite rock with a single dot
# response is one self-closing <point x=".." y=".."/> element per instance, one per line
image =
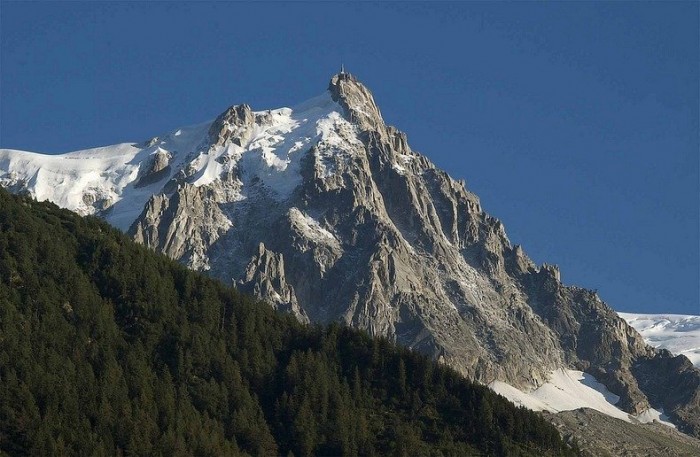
<point x="154" y="169"/>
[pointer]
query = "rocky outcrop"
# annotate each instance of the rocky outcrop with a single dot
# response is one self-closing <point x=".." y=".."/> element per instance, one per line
<point x="154" y="169"/>
<point x="231" y="125"/>
<point x="672" y="383"/>
<point x="265" y="278"/>
<point x="182" y="225"/>
<point x="357" y="102"/>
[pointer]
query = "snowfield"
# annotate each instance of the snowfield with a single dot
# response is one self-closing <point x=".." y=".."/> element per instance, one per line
<point x="678" y="333"/>
<point x="567" y="390"/>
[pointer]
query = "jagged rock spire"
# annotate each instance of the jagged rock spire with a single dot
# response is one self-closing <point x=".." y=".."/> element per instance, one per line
<point x="357" y="101"/>
<point x="229" y="123"/>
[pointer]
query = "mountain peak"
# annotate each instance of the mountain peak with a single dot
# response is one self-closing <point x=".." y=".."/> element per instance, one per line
<point x="357" y="101"/>
<point x="229" y="122"/>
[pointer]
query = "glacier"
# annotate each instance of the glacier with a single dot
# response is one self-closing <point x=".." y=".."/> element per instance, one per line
<point x="678" y="333"/>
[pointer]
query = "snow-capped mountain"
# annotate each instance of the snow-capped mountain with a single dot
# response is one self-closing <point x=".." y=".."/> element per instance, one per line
<point x="680" y="334"/>
<point x="117" y="181"/>
<point x="326" y="212"/>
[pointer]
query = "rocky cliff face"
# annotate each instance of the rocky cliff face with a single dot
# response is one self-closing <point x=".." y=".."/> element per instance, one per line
<point x="326" y="212"/>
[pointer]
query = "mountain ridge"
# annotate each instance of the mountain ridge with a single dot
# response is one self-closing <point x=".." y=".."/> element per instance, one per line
<point x="326" y="212"/>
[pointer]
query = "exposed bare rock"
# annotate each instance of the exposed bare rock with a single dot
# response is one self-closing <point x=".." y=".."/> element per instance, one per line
<point x="230" y="125"/>
<point x="674" y="384"/>
<point x="357" y="101"/>
<point x="265" y="278"/>
<point x="183" y="225"/>
<point x="155" y="168"/>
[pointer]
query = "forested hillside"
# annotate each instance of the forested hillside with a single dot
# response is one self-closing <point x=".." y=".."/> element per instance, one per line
<point x="109" y="349"/>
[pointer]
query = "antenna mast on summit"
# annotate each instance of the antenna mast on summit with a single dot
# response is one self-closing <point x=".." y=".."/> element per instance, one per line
<point x="342" y="68"/>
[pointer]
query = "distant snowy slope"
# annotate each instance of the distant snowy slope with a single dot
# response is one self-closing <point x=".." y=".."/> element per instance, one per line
<point x="679" y="334"/>
<point x="103" y="181"/>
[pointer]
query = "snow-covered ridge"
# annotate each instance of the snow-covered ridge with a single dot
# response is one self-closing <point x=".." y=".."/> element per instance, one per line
<point x="678" y="333"/>
<point x="111" y="180"/>
<point x="275" y="145"/>
<point x="93" y="180"/>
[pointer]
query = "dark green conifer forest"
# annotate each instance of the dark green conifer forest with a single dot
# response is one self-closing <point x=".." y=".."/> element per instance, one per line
<point x="107" y="348"/>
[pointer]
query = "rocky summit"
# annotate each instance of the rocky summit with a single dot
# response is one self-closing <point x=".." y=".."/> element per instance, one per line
<point x="326" y="212"/>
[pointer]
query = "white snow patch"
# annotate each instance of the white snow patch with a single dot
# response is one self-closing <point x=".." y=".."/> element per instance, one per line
<point x="276" y="147"/>
<point x="312" y="229"/>
<point x="678" y="333"/>
<point x="208" y="169"/>
<point x="339" y="138"/>
<point x="568" y="390"/>
<point x="654" y="415"/>
<point x="399" y="169"/>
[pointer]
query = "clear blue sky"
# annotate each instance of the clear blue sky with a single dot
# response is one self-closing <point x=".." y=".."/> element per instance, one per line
<point x="576" y="123"/>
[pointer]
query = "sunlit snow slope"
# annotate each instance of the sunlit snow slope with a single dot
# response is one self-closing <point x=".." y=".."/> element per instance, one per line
<point x="567" y="390"/>
<point x="97" y="179"/>
<point x="678" y="333"/>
